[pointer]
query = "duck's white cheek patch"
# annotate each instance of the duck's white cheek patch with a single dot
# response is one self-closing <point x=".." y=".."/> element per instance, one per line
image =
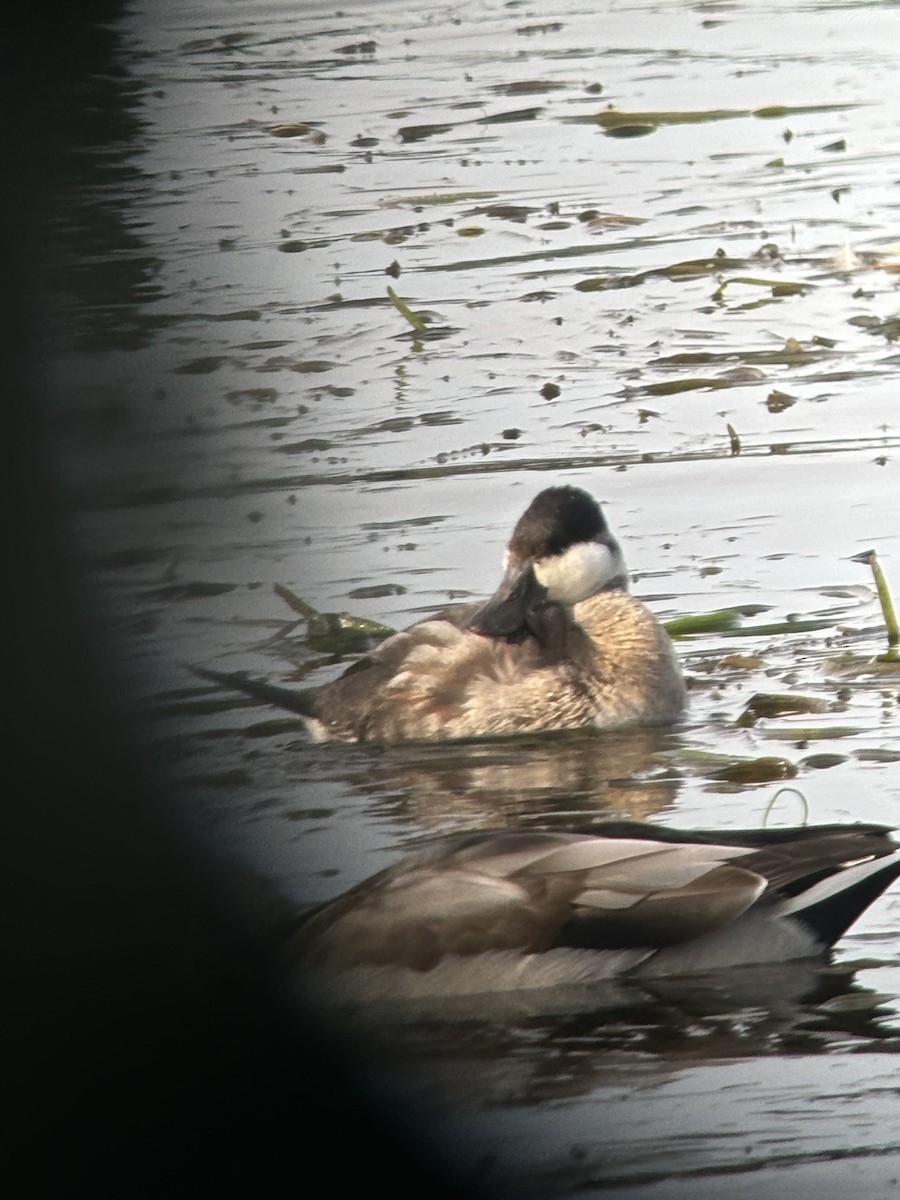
<point x="580" y="572"/>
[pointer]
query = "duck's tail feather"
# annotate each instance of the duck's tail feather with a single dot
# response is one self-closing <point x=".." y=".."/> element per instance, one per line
<point x="301" y="702"/>
<point x="830" y="907"/>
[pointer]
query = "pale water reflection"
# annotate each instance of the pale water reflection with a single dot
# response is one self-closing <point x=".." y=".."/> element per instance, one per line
<point x="697" y="324"/>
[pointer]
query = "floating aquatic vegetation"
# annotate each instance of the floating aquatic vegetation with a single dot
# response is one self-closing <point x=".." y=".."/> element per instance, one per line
<point x="297" y="129"/>
<point x="672" y="387"/>
<point x="779" y="704"/>
<point x="755" y="770"/>
<point x="417" y="133"/>
<point x="809" y="733"/>
<point x="544" y="27"/>
<point x="313" y="366"/>
<point x="201" y="366"/>
<point x="889" y="327"/>
<point x="892" y="654"/>
<point x="822" y="762"/>
<point x="631" y="130"/>
<point x="741" y="662"/>
<point x="730" y="768"/>
<point x="332" y="633"/>
<point x="791" y="352"/>
<point x="403" y="308"/>
<point x="528" y="87"/>
<point x="613" y="120"/>
<point x="507" y="212"/>
<point x="778" y="287"/>
<point x="780" y="627"/>
<point x="727" y="623"/>
<point x="700" y="623"/>
<point x="692" y="268"/>
<point x="436" y="199"/>
<point x="877" y="755"/>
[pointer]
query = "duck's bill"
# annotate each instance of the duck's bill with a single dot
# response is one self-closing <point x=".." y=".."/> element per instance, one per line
<point x="507" y="612"/>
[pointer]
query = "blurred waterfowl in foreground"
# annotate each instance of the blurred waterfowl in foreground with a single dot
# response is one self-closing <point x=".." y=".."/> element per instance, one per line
<point x="499" y="911"/>
<point x="560" y="645"/>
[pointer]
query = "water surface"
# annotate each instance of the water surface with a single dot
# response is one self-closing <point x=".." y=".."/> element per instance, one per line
<point x="691" y="313"/>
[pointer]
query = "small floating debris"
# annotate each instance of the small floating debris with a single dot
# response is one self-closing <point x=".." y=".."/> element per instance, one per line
<point x="297" y="129"/>
<point x="777" y="402"/>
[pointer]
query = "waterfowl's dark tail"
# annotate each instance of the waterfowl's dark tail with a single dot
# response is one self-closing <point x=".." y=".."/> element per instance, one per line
<point x="831" y="906"/>
<point x="271" y="693"/>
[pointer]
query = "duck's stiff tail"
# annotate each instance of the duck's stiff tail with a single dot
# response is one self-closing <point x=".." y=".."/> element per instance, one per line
<point x="828" y="908"/>
<point x="271" y="693"/>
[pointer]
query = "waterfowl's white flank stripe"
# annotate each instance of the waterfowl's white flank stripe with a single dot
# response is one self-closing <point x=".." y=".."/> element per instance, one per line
<point x="835" y="884"/>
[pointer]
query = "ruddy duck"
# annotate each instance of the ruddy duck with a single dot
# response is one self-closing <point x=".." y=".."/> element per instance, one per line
<point x="517" y="908"/>
<point x="560" y="645"/>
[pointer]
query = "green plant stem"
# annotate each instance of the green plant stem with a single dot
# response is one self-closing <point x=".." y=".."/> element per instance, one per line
<point x="887" y="605"/>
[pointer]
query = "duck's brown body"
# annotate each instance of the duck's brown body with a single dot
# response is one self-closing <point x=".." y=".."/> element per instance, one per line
<point x="603" y="665"/>
<point x="560" y="645"/>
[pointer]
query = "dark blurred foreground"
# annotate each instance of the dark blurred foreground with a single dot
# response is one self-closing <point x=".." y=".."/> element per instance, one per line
<point x="149" y="1050"/>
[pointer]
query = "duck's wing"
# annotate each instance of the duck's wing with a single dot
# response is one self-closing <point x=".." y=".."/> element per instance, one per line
<point x="347" y="704"/>
<point x="822" y="875"/>
<point x="531" y="892"/>
<point x="439" y="680"/>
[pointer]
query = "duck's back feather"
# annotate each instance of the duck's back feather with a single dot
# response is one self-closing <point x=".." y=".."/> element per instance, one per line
<point x="675" y="898"/>
<point x="613" y="665"/>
